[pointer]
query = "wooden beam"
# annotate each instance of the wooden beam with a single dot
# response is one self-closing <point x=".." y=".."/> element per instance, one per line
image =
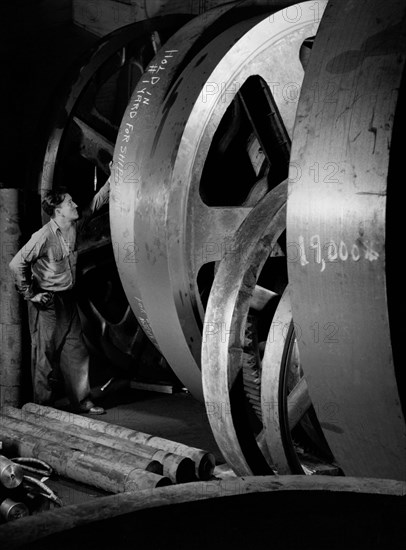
<point x="10" y="304"/>
<point x="104" y="16"/>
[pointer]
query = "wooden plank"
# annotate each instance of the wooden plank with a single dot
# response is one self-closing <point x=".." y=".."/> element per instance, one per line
<point x="150" y="386"/>
<point x="104" y="16"/>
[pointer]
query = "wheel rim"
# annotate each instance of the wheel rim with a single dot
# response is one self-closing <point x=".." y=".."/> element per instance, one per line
<point x="125" y="190"/>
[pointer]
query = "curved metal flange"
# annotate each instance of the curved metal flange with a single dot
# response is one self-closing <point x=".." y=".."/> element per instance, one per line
<point x="331" y="497"/>
<point x="176" y="231"/>
<point x="222" y="350"/>
<point x="337" y="218"/>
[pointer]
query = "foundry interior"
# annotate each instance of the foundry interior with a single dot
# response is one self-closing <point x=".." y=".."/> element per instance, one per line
<point x="239" y="291"/>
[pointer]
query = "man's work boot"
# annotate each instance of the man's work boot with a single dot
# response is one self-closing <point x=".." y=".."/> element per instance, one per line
<point x="88" y="407"/>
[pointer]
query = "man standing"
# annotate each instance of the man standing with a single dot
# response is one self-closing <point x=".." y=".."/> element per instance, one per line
<point x="45" y="273"/>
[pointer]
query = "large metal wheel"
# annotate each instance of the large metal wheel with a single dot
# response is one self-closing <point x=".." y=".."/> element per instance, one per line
<point x="342" y="210"/>
<point x="235" y="300"/>
<point x="209" y="135"/>
<point x="82" y="128"/>
<point x="223" y="352"/>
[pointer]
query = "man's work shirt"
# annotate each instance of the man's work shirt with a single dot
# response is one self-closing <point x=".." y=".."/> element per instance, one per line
<point x="48" y="261"/>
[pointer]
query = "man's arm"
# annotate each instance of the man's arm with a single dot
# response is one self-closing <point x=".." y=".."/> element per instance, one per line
<point x="101" y="197"/>
<point x="20" y="265"/>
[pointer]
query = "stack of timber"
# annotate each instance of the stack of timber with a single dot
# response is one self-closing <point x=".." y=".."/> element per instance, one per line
<point x="96" y="453"/>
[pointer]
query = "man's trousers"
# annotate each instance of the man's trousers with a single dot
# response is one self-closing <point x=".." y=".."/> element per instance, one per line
<point x="57" y="346"/>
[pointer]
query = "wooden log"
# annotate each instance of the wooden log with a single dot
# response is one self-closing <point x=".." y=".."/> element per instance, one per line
<point x="203" y="460"/>
<point x="75" y="518"/>
<point x="10" y="303"/>
<point x="113" y="456"/>
<point x="179" y="469"/>
<point x="88" y="468"/>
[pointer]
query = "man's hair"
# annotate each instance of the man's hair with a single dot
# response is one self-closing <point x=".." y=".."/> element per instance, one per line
<point x="52" y="199"/>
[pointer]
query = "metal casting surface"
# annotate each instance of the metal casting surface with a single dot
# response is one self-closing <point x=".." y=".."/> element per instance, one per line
<point x="341" y="195"/>
<point x="136" y="127"/>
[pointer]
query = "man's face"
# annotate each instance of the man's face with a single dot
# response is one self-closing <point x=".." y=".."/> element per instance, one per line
<point x="68" y="209"/>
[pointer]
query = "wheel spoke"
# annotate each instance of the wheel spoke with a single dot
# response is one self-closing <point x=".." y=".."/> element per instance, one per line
<point x="93" y="145"/>
<point x="261" y="298"/>
<point x="127" y="81"/>
<point x="156" y="43"/>
<point x="214" y="228"/>
<point x="298" y="402"/>
<point x="268" y="126"/>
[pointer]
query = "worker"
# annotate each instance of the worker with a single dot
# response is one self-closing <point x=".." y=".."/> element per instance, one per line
<point x="45" y="273"/>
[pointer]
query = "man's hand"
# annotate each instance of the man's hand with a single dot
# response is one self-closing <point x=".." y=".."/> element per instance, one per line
<point x="42" y="298"/>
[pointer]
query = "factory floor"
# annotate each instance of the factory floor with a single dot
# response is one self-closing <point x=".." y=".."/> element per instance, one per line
<point x="177" y="416"/>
